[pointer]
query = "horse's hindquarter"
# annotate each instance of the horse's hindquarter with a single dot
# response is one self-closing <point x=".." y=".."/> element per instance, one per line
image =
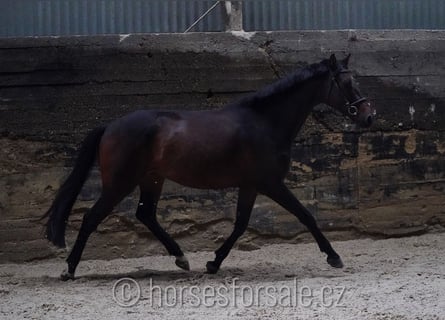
<point x="206" y="149"/>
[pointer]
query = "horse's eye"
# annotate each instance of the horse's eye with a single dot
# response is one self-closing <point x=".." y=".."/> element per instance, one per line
<point x="348" y="83"/>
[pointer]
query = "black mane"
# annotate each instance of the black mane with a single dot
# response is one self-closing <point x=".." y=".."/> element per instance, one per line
<point x="292" y="81"/>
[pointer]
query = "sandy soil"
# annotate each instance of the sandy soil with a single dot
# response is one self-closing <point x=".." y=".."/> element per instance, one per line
<point x="382" y="279"/>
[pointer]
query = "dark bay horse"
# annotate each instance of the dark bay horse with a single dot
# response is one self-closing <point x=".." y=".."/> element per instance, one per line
<point x="246" y="145"/>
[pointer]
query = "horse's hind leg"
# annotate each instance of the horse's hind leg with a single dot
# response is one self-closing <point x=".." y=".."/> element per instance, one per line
<point x="246" y="199"/>
<point x="146" y="213"/>
<point x="101" y="209"/>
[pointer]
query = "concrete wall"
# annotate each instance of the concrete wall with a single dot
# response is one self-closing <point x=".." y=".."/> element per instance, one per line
<point x="387" y="181"/>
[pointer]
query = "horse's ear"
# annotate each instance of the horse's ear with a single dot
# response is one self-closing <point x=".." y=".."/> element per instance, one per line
<point x="333" y="65"/>
<point x="333" y="60"/>
<point x="345" y="61"/>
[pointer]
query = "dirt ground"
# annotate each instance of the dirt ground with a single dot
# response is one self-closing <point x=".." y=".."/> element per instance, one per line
<point x="400" y="278"/>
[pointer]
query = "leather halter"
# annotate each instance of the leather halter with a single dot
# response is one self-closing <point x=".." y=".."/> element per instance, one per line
<point x="351" y="107"/>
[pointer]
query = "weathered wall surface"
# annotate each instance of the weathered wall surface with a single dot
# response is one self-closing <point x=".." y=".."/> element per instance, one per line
<point x="389" y="180"/>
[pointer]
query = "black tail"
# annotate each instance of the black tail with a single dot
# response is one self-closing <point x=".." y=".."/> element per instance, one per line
<point x="66" y="196"/>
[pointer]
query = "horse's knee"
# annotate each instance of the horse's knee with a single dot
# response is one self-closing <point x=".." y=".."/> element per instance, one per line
<point x="306" y="218"/>
<point x="146" y="219"/>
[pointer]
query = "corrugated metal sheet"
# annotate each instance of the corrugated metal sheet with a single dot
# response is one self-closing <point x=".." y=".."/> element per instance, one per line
<point x="343" y="14"/>
<point x="86" y="17"/>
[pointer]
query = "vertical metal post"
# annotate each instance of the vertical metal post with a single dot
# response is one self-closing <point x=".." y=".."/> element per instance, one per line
<point x="233" y="15"/>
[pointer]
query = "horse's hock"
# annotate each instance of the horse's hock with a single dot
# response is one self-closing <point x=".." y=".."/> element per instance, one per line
<point x="386" y="181"/>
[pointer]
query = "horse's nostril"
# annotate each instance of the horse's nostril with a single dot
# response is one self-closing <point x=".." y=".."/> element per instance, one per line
<point x="369" y="121"/>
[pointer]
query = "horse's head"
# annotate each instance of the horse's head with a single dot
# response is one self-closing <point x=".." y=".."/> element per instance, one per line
<point x="344" y="95"/>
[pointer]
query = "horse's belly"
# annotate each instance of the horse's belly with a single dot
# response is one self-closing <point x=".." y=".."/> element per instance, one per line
<point x="205" y="175"/>
<point x="210" y="156"/>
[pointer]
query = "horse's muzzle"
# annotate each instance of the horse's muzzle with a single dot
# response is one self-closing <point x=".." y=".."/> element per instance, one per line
<point x="366" y="114"/>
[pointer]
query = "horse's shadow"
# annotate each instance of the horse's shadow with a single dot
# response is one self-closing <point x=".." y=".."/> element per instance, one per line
<point x="167" y="275"/>
<point x="266" y="274"/>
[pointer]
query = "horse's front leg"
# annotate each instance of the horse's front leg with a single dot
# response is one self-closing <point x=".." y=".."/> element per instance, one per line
<point x="246" y="199"/>
<point x="284" y="197"/>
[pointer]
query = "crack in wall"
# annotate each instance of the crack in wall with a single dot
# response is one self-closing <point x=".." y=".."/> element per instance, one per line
<point x="267" y="51"/>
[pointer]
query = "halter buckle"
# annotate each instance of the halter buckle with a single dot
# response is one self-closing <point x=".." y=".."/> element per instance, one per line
<point x="352" y="110"/>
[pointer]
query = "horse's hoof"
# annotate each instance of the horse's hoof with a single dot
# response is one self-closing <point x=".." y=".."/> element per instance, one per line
<point x="65" y="276"/>
<point x="182" y="263"/>
<point x="335" y="262"/>
<point x="212" y="268"/>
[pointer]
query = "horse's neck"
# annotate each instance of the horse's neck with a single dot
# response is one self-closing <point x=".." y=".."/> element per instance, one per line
<point x="291" y="110"/>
